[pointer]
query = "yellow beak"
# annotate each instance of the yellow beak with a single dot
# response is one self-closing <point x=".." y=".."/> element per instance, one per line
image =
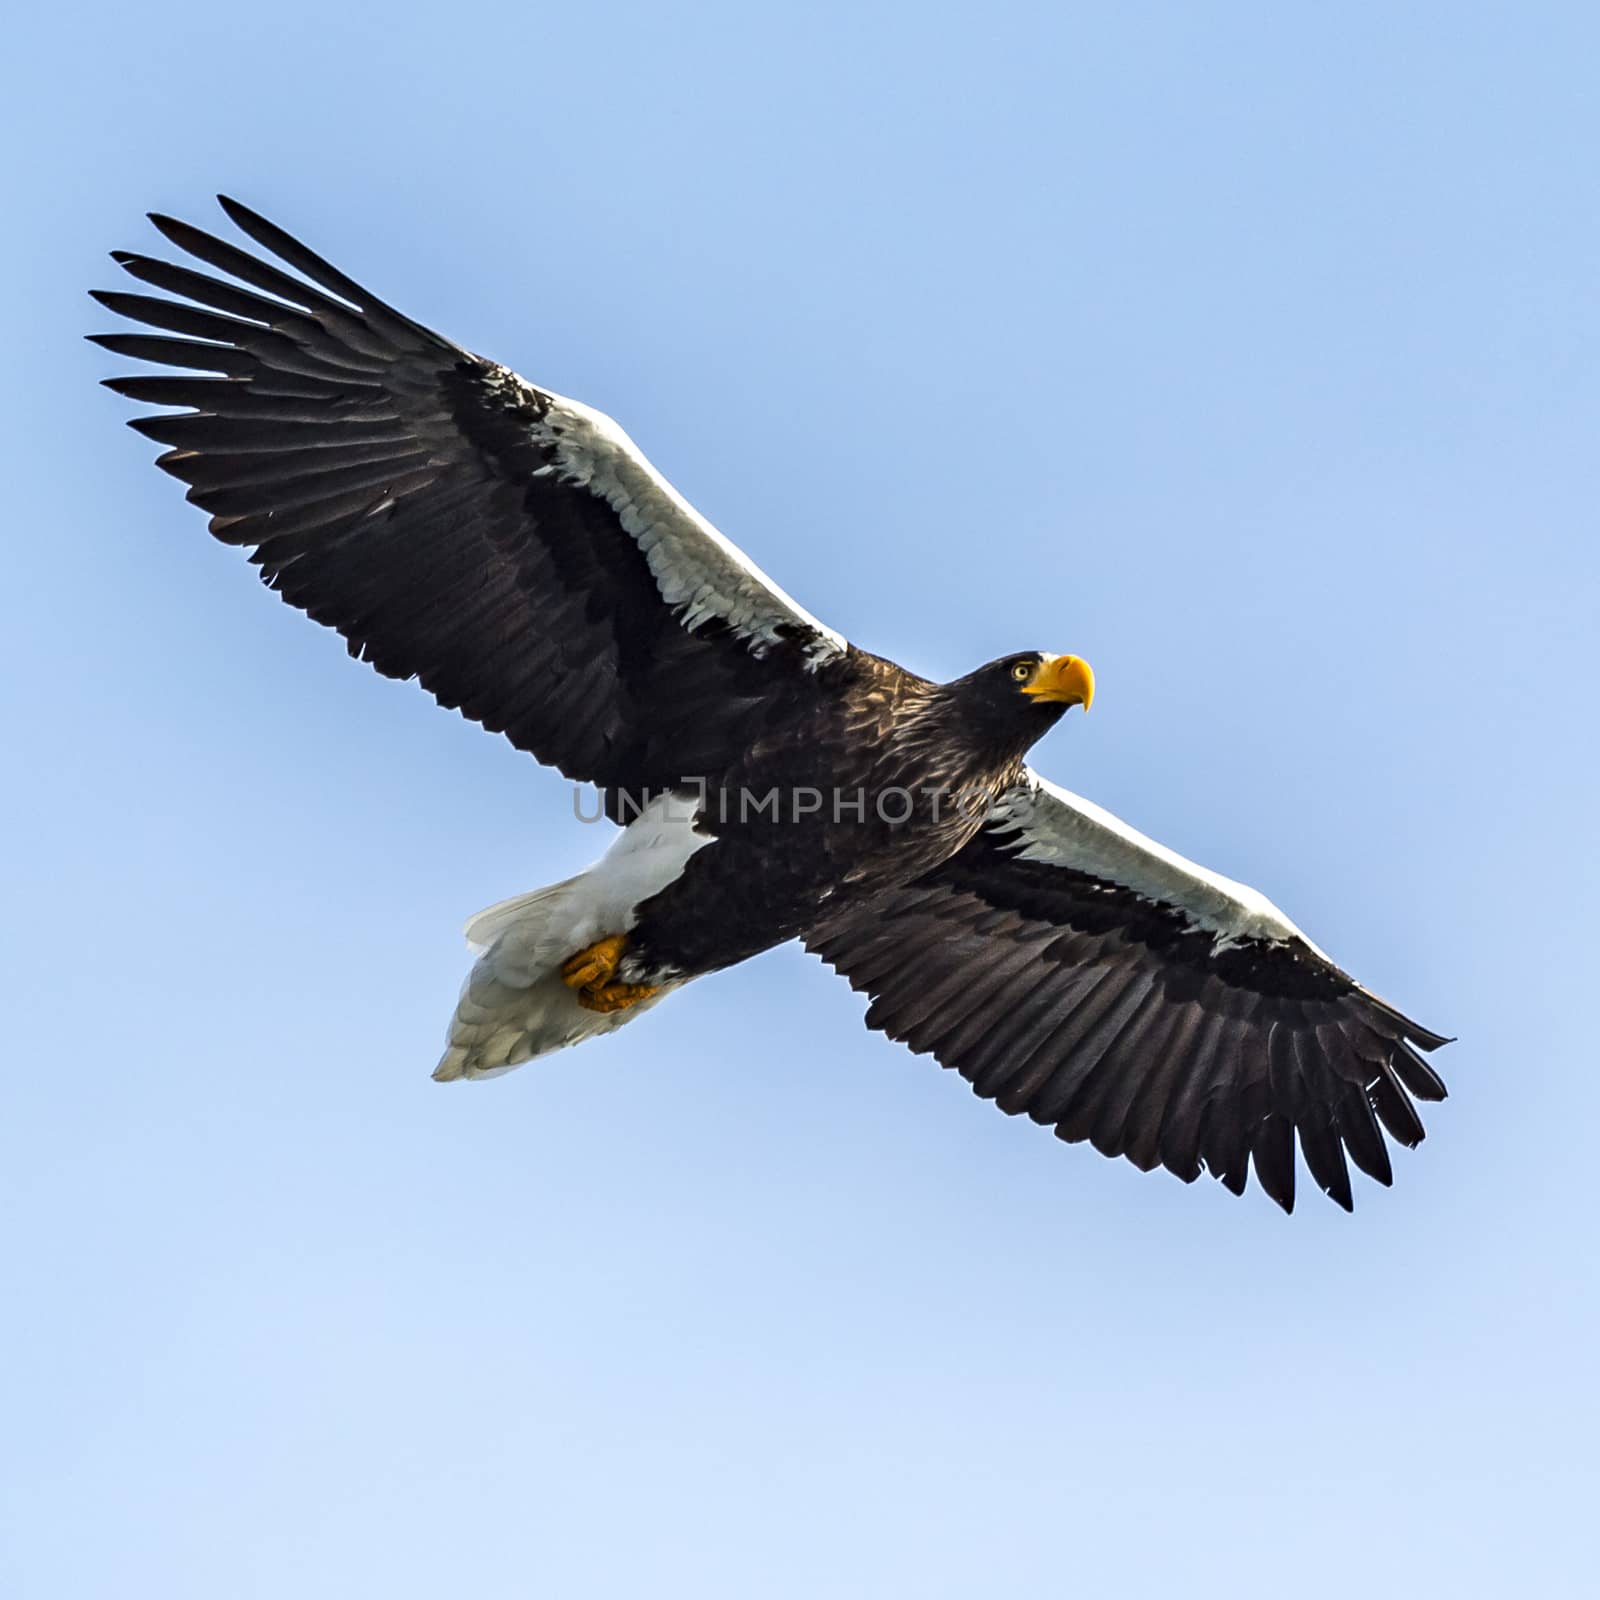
<point x="1067" y="679"/>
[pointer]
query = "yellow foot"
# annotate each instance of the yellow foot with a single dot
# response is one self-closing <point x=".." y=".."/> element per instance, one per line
<point x="590" y="973"/>
<point x="592" y="968"/>
<point x="615" y="996"/>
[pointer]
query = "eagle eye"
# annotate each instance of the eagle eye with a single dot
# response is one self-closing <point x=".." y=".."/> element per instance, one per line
<point x="1022" y="672"/>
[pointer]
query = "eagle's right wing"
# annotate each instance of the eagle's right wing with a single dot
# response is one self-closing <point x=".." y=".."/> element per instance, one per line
<point x="1070" y="968"/>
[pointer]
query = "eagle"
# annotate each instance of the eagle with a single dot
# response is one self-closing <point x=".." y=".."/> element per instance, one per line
<point x="517" y="554"/>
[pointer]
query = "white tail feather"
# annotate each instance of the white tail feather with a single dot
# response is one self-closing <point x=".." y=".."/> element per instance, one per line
<point x="498" y="1026"/>
<point x="482" y="930"/>
<point x="514" y="1006"/>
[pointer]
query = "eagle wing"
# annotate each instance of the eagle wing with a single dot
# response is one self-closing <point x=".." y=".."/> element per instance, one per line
<point x="1070" y="968"/>
<point x="510" y="549"/>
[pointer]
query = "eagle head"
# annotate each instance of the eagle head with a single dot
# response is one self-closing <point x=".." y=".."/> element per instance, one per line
<point x="1019" y="698"/>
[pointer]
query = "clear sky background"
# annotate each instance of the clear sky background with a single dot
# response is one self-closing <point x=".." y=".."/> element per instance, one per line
<point x="1251" y="351"/>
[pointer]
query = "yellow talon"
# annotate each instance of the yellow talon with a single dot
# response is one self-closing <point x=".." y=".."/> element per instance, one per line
<point x="592" y="968"/>
<point x="615" y="996"/>
<point x="590" y="973"/>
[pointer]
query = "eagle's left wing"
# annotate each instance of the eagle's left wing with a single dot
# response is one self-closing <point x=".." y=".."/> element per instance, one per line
<point x="510" y="549"/>
<point x="1070" y="968"/>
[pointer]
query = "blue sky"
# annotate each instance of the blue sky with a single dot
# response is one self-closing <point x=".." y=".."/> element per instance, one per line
<point x="1251" y="351"/>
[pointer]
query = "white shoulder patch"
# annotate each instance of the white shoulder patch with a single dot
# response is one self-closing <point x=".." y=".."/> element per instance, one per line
<point x="1063" y="829"/>
<point x="701" y="574"/>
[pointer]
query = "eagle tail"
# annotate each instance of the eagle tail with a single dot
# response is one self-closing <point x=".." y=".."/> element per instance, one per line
<point x="514" y="1006"/>
<point x="527" y="909"/>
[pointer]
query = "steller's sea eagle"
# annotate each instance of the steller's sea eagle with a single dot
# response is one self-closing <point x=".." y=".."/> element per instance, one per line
<point x="515" y="553"/>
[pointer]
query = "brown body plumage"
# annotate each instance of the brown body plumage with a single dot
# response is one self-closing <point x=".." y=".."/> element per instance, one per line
<point x="864" y="781"/>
